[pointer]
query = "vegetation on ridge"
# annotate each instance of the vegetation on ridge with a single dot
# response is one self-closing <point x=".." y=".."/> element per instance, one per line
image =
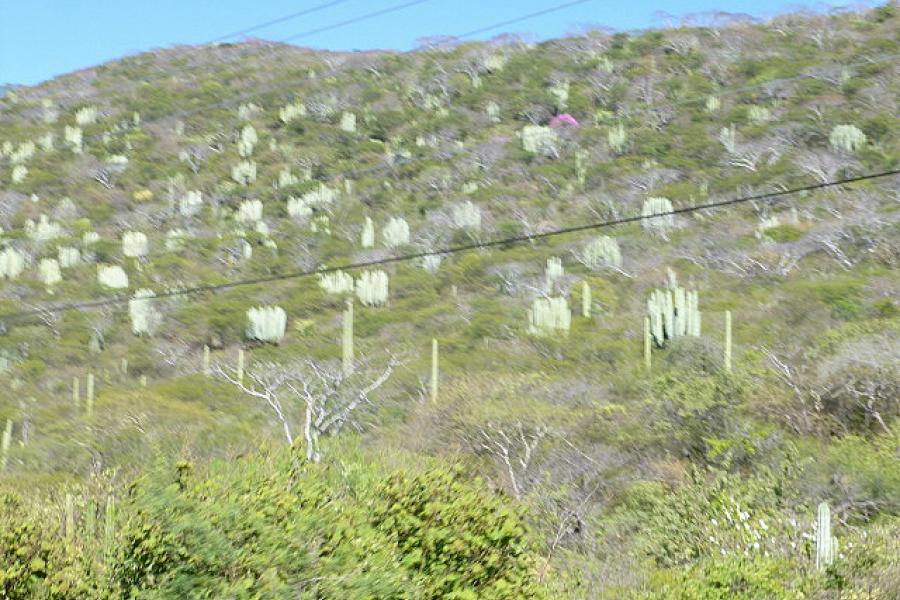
<point x="575" y="417"/>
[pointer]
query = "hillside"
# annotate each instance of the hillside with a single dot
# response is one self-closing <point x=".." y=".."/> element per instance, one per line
<point x="665" y="408"/>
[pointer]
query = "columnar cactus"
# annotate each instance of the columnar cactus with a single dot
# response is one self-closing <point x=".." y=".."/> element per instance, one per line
<point x="493" y="111"/>
<point x="549" y="315"/>
<point x="248" y="141"/>
<point x="617" y="138"/>
<point x="713" y="104"/>
<point x="12" y="263"/>
<point x="396" y="232"/>
<point x="467" y="216"/>
<point x="728" y="138"/>
<point x="112" y="276"/>
<point x="674" y="312"/>
<point x="727" y="359"/>
<point x="759" y="114"/>
<point x="48" y="269"/>
<point x="73" y="139"/>
<point x="90" y="237"/>
<point x="43" y="230"/>
<point x="826" y="544"/>
<point x="367" y="238"/>
<point x="847" y="138"/>
<point x="657" y="206"/>
<point x="432" y="263"/>
<point x="191" y="203"/>
<point x="336" y="282"/>
<point x="5" y="443"/>
<point x="244" y="172"/>
<point x="435" y="372"/>
<point x="292" y="112"/>
<point x="372" y="288"/>
<point x="135" y="244"/>
<point x="249" y="211"/>
<point x="144" y="316"/>
<point x="553" y="271"/>
<point x="586" y="300"/>
<point x="23" y="153"/>
<point x="266" y="323"/>
<point x="286" y="178"/>
<point x="601" y="252"/>
<point x="86" y="115"/>
<point x="298" y="208"/>
<point x="68" y="256"/>
<point x="19" y="173"/>
<point x="348" y="122"/>
<point x="347" y="339"/>
<point x="560" y="94"/>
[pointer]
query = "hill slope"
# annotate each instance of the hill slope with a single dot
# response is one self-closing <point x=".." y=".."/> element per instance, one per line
<point x="193" y="167"/>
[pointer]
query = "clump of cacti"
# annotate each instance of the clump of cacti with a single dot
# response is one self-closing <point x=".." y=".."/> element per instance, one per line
<point x="112" y="276"/>
<point x="48" y="270"/>
<point x="12" y="263"/>
<point x="396" y="232"/>
<point x="249" y="211"/>
<point x="728" y="138"/>
<point x="266" y="323"/>
<point x="336" y="282"/>
<point x="244" y="172"/>
<point x="73" y="139"/>
<point x="5" y="442"/>
<point x="144" y="316"/>
<point x="549" y="315"/>
<point x="674" y="312"/>
<point x="847" y="138"/>
<point x="538" y="139"/>
<point x="467" y="216"/>
<point x="43" y="229"/>
<point x="68" y="256"/>
<point x="86" y="115"/>
<point x="19" y="173"/>
<point x="191" y="203"/>
<point x="135" y="244"/>
<point x="372" y="288"/>
<point x="601" y="252"/>
<point x="292" y="112"/>
<point x="247" y="141"/>
<point x="656" y="212"/>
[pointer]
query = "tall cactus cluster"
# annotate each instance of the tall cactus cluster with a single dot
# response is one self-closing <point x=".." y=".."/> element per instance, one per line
<point x="396" y="232"/>
<point x="112" y="276"/>
<point x="467" y="216"/>
<point x="135" y="244"/>
<point x="674" y="312"/>
<point x="601" y="252"/>
<point x="656" y="215"/>
<point x="372" y="288"/>
<point x="266" y="323"/>
<point x="847" y="138"/>
<point x="549" y="315"/>
<point x="537" y="139"/>
<point x="12" y="263"/>
<point x="144" y="316"/>
<point x="336" y="282"/>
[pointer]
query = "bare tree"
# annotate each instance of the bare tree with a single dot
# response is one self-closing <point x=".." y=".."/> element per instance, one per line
<point x="514" y="447"/>
<point x="329" y="397"/>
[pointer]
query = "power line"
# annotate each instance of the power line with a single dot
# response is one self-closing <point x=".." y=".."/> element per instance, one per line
<point x="283" y="19"/>
<point x="446" y="251"/>
<point x="371" y="15"/>
<point x="539" y="13"/>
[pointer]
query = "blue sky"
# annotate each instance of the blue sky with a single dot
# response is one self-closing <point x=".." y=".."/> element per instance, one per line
<point x="40" y="39"/>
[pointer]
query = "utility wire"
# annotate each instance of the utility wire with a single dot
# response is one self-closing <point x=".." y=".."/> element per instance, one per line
<point x="283" y="19"/>
<point x="445" y="251"/>
<point x="371" y="15"/>
<point x="539" y="13"/>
